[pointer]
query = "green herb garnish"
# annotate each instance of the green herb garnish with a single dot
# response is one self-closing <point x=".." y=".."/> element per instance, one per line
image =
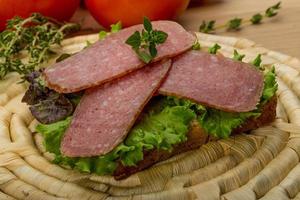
<point x="114" y="28"/>
<point x="272" y="11"/>
<point x="236" y="23"/>
<point x="33" y="36"/>
<point x="256" y="19"/>
<point x="207" y="27"/>
<point x="237" y="56"/>
<point x="257" y="62"/>
<point x="102" y="35"/>
<point x="196" y="45"/>
<point x="214" y="49"/>
<point x="144" y="43"/>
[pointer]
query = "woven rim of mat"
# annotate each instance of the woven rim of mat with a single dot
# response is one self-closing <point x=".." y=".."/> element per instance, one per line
<point x="263" y="164"/>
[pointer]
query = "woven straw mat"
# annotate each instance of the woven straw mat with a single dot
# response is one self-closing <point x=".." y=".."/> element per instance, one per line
<point x="260" y="165"/>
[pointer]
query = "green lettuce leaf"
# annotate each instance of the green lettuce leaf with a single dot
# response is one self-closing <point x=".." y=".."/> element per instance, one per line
<point x="270" y="86"/>
<point x="105" y="165"/>
<point x="52" y="134"/>
<point x="220" y="124"/>
<point x="160" y="130"/>
<point x="84" y="164"/>
<point x="163" y="124"/>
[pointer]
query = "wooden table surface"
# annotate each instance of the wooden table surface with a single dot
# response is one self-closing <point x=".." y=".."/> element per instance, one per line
<point x="281" y="33"/>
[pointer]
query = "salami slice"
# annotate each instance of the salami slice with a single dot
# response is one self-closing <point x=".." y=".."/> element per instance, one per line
<point x="112" y="58"/>
<point x="106" y="113"/>
<point x="214" y="81"/>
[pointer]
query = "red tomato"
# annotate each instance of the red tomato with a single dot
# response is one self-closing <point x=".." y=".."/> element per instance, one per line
<point x="131" y="12"/>
<point x="61" y="10"/>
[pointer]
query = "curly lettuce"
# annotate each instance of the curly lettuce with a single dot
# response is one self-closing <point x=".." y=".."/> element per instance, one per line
<point x="164" y="123"/>
<point x="156" y="129"/>
<point x="270" y="86"/>
<point x="52" y="134"/>
<point x="220" y="124"/>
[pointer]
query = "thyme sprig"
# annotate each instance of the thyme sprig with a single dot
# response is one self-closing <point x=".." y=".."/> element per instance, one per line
<point x="237" y="56"/>
<point x="236" y="23"/>
<point x="114" y="28"/>
<point x="214" y="49"/>
<point x="33" y="36"/>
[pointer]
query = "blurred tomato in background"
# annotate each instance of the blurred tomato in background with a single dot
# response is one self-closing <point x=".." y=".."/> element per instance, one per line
<point x="131" y="12"/>
<point x="61" y="10"/>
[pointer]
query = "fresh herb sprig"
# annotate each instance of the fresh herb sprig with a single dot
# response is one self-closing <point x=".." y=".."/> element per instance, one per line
<point x="237" y="56"/>
<point x="214" y="49"/>
<point x="236" y="23"/>
<point x="144" y="43"/>
<point x="257" y="63"/>
<point x="196" y="45"/>
<point x="33" y="36"/>
<point x="114" y="28"/>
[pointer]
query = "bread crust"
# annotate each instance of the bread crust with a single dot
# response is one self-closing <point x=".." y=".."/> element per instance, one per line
<point x="196" y="138"/>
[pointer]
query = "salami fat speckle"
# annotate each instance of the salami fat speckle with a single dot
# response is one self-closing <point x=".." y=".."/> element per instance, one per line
<point x="112" y="58"/>
<point x="106" y="113"/>
<point x="214" y="81"/>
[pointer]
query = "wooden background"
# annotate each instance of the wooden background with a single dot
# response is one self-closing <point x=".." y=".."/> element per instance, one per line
<point x="281" y="33"/>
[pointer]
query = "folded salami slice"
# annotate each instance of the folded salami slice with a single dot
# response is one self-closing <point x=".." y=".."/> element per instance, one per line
<point x="111" y="58"/>
<point x="106" y="113"/>
<point x="214" y="81"/>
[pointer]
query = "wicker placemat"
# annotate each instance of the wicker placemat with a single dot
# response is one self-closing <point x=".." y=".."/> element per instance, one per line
<point x="261" y="165"/>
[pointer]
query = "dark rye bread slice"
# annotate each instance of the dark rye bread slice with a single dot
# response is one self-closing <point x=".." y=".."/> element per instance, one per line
<point x="196" y="137"/>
